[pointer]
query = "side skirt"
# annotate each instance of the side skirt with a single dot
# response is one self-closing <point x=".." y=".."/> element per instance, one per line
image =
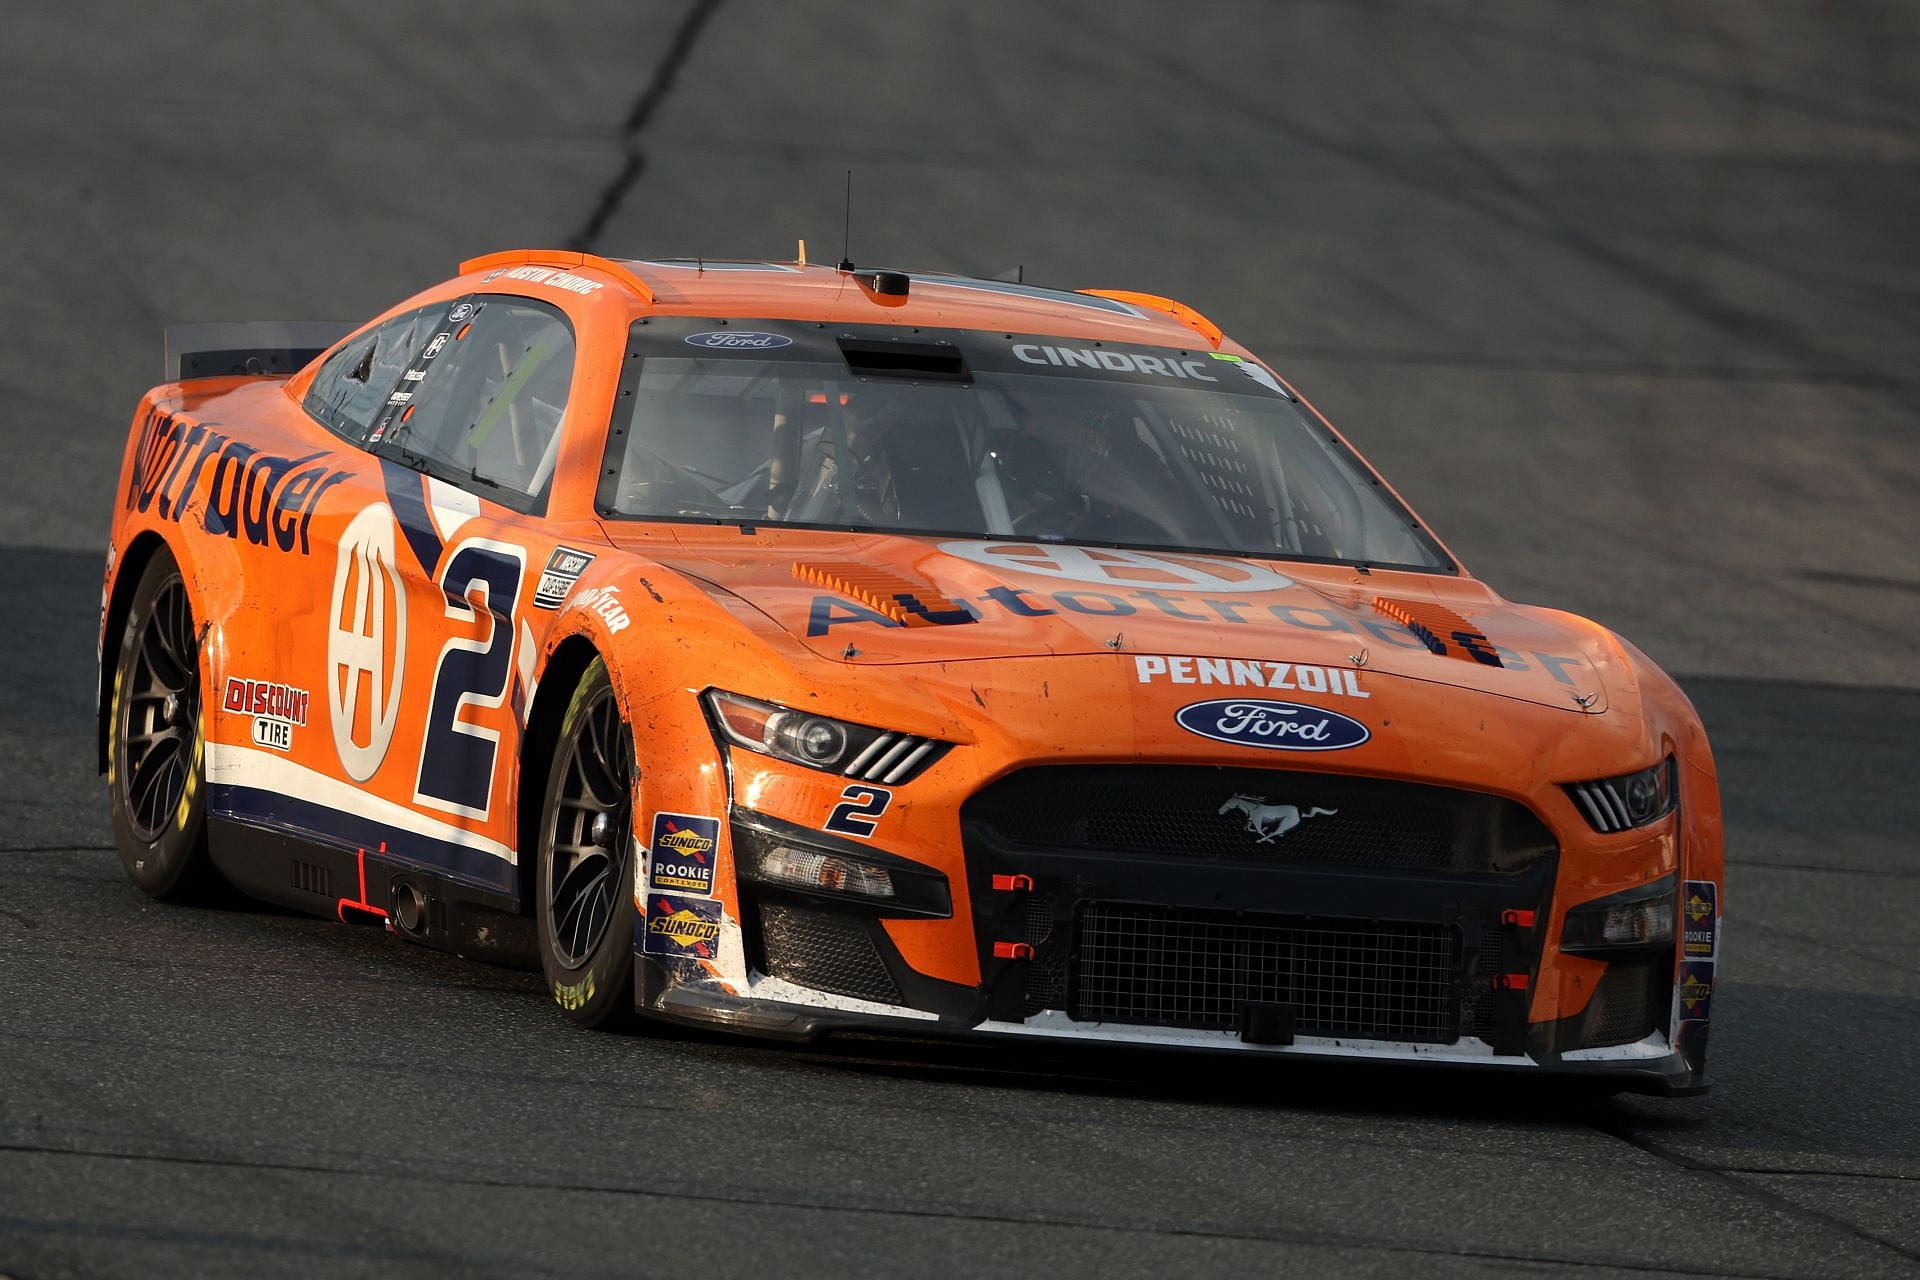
<point x="364" y="887"/>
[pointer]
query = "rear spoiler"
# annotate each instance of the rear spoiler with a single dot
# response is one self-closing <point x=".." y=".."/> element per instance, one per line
<point x="251" y="348"/>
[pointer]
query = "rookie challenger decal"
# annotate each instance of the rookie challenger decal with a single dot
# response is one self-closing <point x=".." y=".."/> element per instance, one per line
<point x="1700" y="911"/>
<point x="683" y="851"/>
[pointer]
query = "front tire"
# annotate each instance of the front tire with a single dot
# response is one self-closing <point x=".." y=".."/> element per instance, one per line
<point x="584" y="905"/>
<point x="156" y="761"/>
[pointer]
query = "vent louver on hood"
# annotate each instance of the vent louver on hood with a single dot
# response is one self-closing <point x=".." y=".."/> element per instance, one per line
<point x="1440" y="629"/>
<point x="910" y="603"/>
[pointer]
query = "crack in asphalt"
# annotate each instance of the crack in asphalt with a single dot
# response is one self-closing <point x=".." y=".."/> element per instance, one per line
<point x="769" y="1199"/>
<point x="1727" y="1178"/>
<point x="633" y="160"/>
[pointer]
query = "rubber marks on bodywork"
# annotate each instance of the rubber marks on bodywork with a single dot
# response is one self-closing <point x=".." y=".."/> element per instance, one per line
<point x="366" y="641"/>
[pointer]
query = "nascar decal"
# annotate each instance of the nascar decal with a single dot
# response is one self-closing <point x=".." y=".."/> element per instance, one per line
<point x="366" y="642"/>
<point x="1700" y="920"/>
<point x="268" y="498"/>
<point x="684" y="847"/>
<point x="1338" y="681"/>
<point x="679" y="926"/>
<point x="1280" y="726"/>
<point x="564" y="568"/>
<point x="277" y="709"/>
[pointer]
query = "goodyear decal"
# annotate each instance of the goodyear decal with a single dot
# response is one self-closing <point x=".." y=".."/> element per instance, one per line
<point x="684" y="846"/>
<point x="1700" y="920"/>
<point x="679" y="926"/>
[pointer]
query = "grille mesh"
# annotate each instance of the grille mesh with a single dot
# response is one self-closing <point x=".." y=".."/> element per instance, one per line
<point x="1622" y="1011"/>
<point x="1167" y="967"/>
<point x="1175" y="811"/>
<point x="824" y="950"/>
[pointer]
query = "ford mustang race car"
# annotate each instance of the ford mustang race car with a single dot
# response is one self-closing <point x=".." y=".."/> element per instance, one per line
<point x="791" y="648"/>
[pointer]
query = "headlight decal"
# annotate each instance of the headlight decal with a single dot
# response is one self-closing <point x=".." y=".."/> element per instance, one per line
<point x="822" y="742"/>
<point x="1630" y="800"/>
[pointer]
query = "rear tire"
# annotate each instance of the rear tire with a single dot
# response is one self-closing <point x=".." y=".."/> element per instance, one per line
<point x="583" y="904"/>
<point x="156" y="756"/>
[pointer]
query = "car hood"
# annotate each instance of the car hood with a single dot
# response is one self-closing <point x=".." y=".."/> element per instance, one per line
<point x="878" y="599"/>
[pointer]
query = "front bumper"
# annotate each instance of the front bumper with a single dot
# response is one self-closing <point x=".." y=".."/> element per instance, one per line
<point x="1318" y="960"/>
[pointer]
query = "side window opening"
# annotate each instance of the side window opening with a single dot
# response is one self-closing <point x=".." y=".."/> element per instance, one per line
<point x="481" y="406"/>
<point x="352" y="387"/>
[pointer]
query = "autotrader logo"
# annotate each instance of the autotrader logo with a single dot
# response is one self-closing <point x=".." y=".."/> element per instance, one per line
<point x="1111" y="566"/>
<point x="742" y="341"/>
<point x="366" y="641"/>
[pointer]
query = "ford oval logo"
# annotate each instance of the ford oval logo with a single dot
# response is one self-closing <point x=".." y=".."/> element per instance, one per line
<point x="743" y="341"/>
<point x="1282" y="726"/>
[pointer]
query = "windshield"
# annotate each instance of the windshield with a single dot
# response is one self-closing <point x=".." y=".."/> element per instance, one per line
<point x="988" y="435"/>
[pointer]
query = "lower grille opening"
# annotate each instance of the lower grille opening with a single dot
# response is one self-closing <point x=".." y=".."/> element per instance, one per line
<point x="1623" y="1009"/>
<point x="1184" y="968"/>
<point x="829" y="951"/>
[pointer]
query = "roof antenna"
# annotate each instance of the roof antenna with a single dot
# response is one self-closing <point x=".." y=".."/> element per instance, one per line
<point x="846" y="244"/>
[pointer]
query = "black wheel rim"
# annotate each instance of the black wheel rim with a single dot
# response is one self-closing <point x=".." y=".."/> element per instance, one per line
<point x="585" y="875"/>
<point x="162" y="721"/>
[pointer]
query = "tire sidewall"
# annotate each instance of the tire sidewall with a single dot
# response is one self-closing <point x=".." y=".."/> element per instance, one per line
<point x="600" y="991"/>
<point x="175" y="860"/>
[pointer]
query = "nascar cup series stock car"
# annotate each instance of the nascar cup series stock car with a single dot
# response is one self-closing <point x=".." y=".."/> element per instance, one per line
<point x="807" y="648"/>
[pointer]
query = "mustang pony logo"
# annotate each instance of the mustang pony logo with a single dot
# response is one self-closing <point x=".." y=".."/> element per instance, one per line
<point x="1271" y="821"/>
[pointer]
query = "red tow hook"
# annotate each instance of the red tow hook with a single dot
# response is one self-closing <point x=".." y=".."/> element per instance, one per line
<point x="1012" y="884"/>
<point x="1003" y="950"/>
<point x="345" y="905"/>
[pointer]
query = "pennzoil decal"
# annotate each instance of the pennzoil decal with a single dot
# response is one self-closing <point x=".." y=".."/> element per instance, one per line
<point x="1700" y="920"/>
<point x="684" y="846"/>
<point x="679" y="926"/>
<point x="1341" y="682"/>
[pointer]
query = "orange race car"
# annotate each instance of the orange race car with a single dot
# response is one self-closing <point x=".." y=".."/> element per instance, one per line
<point x="804" y="648"/>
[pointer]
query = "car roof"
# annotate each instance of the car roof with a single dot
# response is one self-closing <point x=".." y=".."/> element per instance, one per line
<point x="755" y="287"/>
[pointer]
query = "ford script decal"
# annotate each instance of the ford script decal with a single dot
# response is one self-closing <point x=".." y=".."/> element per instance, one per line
<point x="1284" y="726"/>
<point x="744" y="341"/>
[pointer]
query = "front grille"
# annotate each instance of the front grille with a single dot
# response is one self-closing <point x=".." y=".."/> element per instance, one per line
<point x="826" y="950"/>
<point x="1269" y="816"/>
<point x="1181" y="968"/>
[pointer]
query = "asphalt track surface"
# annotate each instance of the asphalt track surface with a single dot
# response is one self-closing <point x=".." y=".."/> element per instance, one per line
<point x="1625" y="297"/>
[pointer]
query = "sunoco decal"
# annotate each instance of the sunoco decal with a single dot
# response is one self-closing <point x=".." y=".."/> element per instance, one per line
<point x="742" y="341"/>
<point x="1700" y="911"/>
<point x="683" y="852"/>
<point x="1696" y="990"/>
<point x="1280" y="726"/>
<point x="682" y="926"/>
